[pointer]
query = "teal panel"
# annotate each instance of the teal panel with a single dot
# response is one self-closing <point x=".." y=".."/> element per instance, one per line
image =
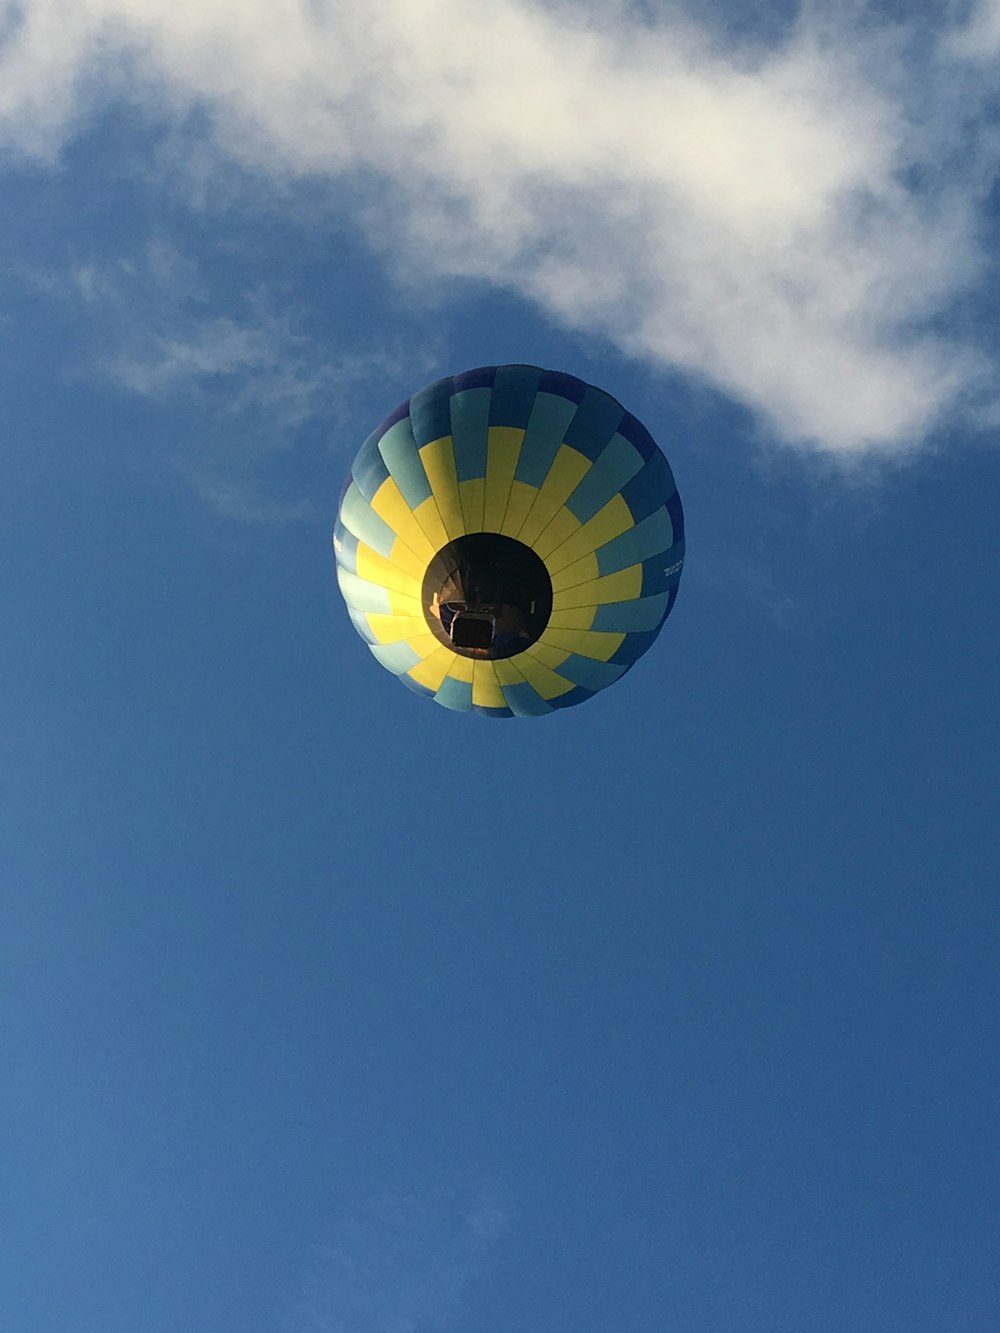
<point x="395" y="657"/>
<point x="590" y="673"/>
<point x="399" y="450"/>
<point x="619" y="462"/>
<point x="547" y="425"/>
<point x="642" y="613"/>
<point x="525" y="701"/>
<point x="359" y="517"/>
<point x="653" y="535"/>
<point x="361" y="595"/>
<point x="455" y="694"/>
<point x="470" y="420"/>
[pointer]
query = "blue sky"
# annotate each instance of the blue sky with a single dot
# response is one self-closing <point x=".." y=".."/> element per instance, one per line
<point x="707" y="1039"/>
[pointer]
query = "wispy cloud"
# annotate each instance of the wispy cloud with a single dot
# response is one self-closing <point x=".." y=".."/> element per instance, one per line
<point x="401" y="1264"/>
<point x="791" y="223"/>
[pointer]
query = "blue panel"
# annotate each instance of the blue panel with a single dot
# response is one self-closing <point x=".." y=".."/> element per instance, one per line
<point x="360" y="595"/>
<point x="676" y="513"/>
<point x="661" y="572"/>
<point x="595" y="422"/>
<point x="547" y="425"/>
<point x="491" y="712"/>
<point x="566" y="386"/>
<point x="345" y="547"/>
<point x="574" y="696"/>
<point x="650" y="488"/>
<point x="525" y="701"/>
<point x="589" y="672"/>
<point x="619" y="461"/>
<point x="642" y="613"/>
<point x="399" y="449"/>
<point x="369" y="469"/>
<point x="514" y="393"/>
<point x="455" y="694"/>
<point x="636" y="433"/>
<point x="470" y="416"/>
<point x="360" y="622"/>
<point x="653" y="535"/>
<point x="430" y="412"/>
<point x="634" y="646"/>
<point x="359" y="517"/>
<point x="480" y="378"/>
<point x="395" y="657"/>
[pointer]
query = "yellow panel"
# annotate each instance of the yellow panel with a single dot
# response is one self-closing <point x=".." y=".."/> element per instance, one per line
<point x="438" y="459"/>
<point x="390" y="505"/>
<point x="433" y="669"/>
<point x="390" y="629"/>
<point x="551" y="657"/>
<point x="563" y="525"/>
<point x="506" y="672"/>
<point x="414" y="565"/>
<point x="461" y="667"/>
<point x="574" y="617"/>
<point x="599" y="644"/>
<point x="584" y="570"/>
<point x="503" y="452"/>
<point x="607" y="523"/>
<point x="541" y="677"/>
<point x="377" y="569"/>
<point x="522" y="497"/>
<point x="471" y="495"/>
<point x="405" y="606"/>
<point x="567" y="470"/>
<point x="424" y="644"/>
<point x="619" y="587"/>
<point x="426" y="514"/>
<point x="486" y="691"/>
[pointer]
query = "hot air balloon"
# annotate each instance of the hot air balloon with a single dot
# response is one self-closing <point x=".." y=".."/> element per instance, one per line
<point x="510" y="542"/>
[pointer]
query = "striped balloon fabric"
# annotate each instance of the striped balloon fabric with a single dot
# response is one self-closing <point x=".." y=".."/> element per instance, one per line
<point x="548" y="463"/>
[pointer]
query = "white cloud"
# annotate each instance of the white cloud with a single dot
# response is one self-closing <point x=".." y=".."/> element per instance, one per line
<point x="792" y="225"/>
<point x="401" y="1264"/>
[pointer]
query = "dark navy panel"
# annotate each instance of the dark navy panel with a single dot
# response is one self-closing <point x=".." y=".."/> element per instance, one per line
<point x="430" y="412"/>
<point x="514" y="391"/>
<point x="662" y="572"/>
<point x="470" y="415"/>
<point x="369" y="470"/>
<point x="491" y="712"/>
<point x="595" y="422"/>
<point x="480" y="378"/>
<point x="566" y="386"/>
<point x="650" y="488"/>
<point x="573" y="696"/>
<point x="547" y="425"/>
<point x="619" y="462"/>
<point x="397" y="414"/>
<point x="399" y="449"/>
<point x="633" y="647"/>
<point x="636" y="433"/>
<point x="676" y="512"/>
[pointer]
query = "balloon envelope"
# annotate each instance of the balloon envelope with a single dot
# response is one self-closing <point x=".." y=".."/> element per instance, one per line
<point x="510" y="541"/>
